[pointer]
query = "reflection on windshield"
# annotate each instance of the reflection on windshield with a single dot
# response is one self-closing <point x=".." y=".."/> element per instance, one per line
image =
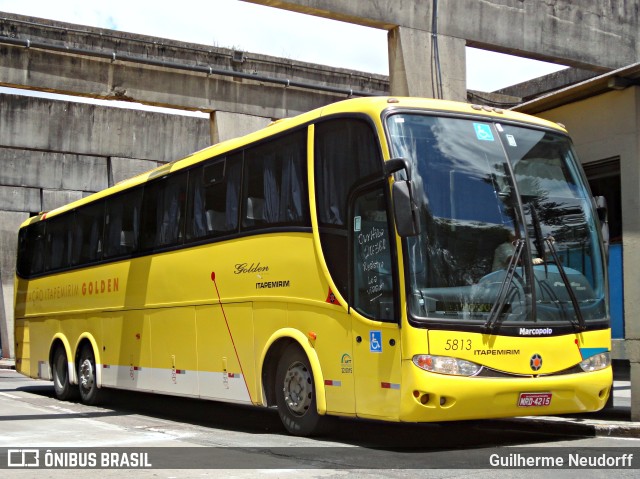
<point x="472" y="218"/>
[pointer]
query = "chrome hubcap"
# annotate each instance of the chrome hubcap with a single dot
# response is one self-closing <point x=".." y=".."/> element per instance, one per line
<point x="298" y="389"/>
<point x="86" y="374"/>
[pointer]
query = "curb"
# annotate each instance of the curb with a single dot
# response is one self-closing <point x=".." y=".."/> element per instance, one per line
<point x="571" y="426"/>
<point x="4" y="364"/>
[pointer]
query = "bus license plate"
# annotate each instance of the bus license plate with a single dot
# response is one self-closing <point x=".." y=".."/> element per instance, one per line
<point x="534" y="399"/>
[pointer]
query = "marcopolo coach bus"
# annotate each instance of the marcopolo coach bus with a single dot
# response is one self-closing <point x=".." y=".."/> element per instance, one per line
<point x="389" y="258"/>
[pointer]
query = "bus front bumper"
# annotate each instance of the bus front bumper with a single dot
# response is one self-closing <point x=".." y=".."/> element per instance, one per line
<point x="430" y="397"/>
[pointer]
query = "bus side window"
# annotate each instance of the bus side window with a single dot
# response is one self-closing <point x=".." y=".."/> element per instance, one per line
<point x="275" y="191"/>
<point x="373" y="292"/>
<point x="58" y="242"/>
<point x="214" y="196"/>
<point x="87" y="234"/>
<point x="122" y="223"/>
<point x="31" y="248"/>
<point x="162" y="218"/>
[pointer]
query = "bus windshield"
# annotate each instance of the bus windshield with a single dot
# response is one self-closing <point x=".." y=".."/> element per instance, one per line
<point x="507" y="226"/>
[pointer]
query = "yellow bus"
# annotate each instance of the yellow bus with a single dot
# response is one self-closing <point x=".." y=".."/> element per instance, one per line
<point x="387" y="258"/>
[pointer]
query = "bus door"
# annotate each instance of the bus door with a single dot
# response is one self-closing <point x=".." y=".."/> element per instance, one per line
<point x="376" y="334"/>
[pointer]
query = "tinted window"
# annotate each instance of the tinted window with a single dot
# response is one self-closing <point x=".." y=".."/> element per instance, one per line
<point x="372" y="261"/>
<point x="58" y="242"/>
<point x="275" y="183"/>
<point x="163" y="210"/>
<point x="31" y="246"/>
<point x="214" y="191"/>
<point x="346" y="150"/>
<point x="87" y="234"/>
<point x="122" y="223"/>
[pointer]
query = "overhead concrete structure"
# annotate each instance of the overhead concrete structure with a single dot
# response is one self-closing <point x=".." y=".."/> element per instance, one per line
<point x="590" y="34"/>
<point x="60" y="57"/>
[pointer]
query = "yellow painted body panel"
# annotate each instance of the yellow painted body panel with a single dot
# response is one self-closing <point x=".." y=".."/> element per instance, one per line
<point x="513" y="354"/>
<point x="202" y="321"/>
<point x="215" y="349"/>
<point x="126" y="341"/>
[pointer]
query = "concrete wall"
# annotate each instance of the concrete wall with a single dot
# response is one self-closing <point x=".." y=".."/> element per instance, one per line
<point x="53" y="152"/>
<point x="607" y="126"/>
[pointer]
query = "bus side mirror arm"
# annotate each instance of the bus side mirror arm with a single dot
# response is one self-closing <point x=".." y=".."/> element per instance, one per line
<point x="405" y="210"/>
<point x="603" y="216"/>
<point x="396" y="164"/>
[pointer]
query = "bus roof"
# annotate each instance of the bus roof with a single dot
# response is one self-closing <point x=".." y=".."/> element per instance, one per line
<point x="371" y="106"/>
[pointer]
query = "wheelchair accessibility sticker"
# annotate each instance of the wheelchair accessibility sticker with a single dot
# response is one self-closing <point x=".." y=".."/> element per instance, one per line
<point x="375" y="342"/>
<point x="483" y="132"/>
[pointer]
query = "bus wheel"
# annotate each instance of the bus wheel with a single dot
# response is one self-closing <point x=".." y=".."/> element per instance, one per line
<point x="60" y="369"/>
<point x="87" y="382"/>
<point x="295" y="393"/>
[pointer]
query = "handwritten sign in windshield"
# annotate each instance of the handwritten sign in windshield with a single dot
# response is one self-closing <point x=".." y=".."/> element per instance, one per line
<point x="372" y="246"/>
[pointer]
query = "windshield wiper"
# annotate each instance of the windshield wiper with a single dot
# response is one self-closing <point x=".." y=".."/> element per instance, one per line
<point x="565" y="279"/>
<point x="537" y="231"/>
<point x="495" y="314"/>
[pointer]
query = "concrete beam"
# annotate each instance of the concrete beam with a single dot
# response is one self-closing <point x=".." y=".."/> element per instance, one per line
<point x="164" y="87"/>
<point x="92" y="130"/>
<point x="170" y="82"/>
<point x="384" y="15"/>
<point x="589" y="34"/>
<point x="546" y="84"/>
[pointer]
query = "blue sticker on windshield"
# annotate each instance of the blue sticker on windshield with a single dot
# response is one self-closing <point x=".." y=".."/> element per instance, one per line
<point x="483" y="131"/>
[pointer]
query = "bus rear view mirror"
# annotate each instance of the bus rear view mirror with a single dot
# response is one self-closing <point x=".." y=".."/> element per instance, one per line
<point x="404" y="209"/>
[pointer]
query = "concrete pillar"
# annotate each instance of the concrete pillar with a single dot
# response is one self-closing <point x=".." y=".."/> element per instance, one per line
<point x="10" y="221"/>
<point x="632" y="347"/>
<point x="5" y="340"/>
<point x="412" y="65"/>
<point x="225" y="125"/>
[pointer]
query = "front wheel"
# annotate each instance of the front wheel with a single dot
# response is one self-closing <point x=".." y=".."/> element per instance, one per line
<point x="87" y="382"/>
<point x="295" y="393"/>
<point x="60" y="369"/>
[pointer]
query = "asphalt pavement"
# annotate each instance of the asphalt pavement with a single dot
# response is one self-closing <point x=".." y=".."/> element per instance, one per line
<point x="612" y="421"/>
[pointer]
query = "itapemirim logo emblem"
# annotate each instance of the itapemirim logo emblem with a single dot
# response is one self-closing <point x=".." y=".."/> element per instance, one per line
<point x="535" y="362"/>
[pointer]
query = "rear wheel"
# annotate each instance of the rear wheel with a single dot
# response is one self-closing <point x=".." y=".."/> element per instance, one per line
<point x="295" y="393"/>
<point x="60" y="369"/>
<point x="87" y="381"/>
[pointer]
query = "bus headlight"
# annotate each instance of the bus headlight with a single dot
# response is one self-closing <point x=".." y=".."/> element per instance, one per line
<point x="446" y="365"/>
<point x="596" y="363"/>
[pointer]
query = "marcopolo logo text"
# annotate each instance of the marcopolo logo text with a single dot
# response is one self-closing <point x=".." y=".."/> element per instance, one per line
<point x="535" y="331"/>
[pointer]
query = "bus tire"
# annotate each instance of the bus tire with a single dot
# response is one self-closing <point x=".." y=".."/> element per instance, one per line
<point x="60" y="371"/>
<point x="87" y="380"/>
<point x="295" y="393"/>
